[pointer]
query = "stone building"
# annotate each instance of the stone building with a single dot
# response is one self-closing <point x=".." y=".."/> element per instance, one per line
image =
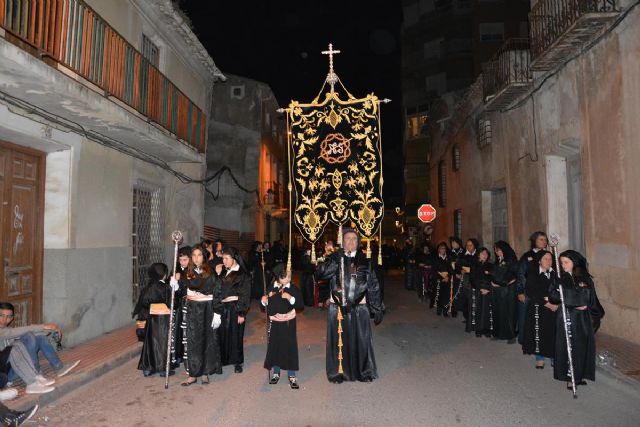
<point x="546" y="139"/>
<point x="444" y="44"/>
<point x="103" y="121"/>
<point x="246" y="130"/>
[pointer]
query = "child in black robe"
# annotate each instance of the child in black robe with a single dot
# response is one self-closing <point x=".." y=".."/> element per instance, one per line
<point x="281" y="302"/>
<point x="155" y="300"/>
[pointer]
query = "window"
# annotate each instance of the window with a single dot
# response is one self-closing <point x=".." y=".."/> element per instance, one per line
<point x="416" y="125"/>
<point x="491" y="32"/>
<point x="150" y="51"/>
<point x="484" y="132"/>
<point x="455" y="158"/>
<point x="147" y="232"/>
<point x="457" y="223"/>
<point x="442" y="184"/>
<point x="237" y="92"/>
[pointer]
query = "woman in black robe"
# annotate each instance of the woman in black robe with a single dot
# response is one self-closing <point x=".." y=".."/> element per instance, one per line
<point x="503" y="295"/>
<point x="153" y="357"/>
<point x="466" y="295"/>
<point x="281" y="302"/>
<point x="481" y="310"/>
<point x="442" y="276"/>
<point x="234" y="294"/>
<point x="201" y="316"/>
<point x="580" y="300"/>
<point x="539" y="334"/>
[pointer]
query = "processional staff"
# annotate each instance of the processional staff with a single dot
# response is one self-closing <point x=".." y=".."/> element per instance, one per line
<point x="176" y="236"/>
<point x="554" y="240"/>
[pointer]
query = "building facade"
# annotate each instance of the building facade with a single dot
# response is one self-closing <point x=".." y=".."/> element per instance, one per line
<point x="246" y="203"/>
<point x="444" y="45"/>
<point x="546" y="139"/>
<point x="103" y="123"/>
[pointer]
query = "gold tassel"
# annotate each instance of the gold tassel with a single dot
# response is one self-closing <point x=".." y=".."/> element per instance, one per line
<point x="340" y="370"/>
<point x="380" y="247"/>
<point x="339" y="242"/>
<point x="369" y="249"/>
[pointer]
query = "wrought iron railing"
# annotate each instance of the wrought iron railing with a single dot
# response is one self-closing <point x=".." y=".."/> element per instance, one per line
<point x="510" y="66"/>
<point x="549" y="19"/>
<point x="74" y="35"/>
<point x="273" y="193"/>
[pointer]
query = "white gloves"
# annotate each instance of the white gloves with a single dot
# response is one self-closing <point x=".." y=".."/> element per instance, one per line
<point x="217" y="321"/>
<point x="174" y="284"/>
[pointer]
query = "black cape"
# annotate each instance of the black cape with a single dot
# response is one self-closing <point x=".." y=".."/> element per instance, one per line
<point x="358" y="359"/>
<point x="583" y="344"/>
<point x="230" y="333"/>
<point x="282" y="349"/>
<point x="153" y="357"/>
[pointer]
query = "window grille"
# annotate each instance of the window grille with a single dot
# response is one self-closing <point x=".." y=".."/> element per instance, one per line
<point x="150" y="51"/>
<point x="457" y="223"/>
<point x="147" y="232"/>
<point x="484" y="133"/>
<point x="455" y="158"/>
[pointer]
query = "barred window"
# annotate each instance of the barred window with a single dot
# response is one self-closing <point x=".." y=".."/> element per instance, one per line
<point x="455" y="158"/>
<point x="146" y="232"/>
<point x="442" y="184"/>
<point x="457" y="222"/>
<point x="484" y="133"/>
<point x="150" y="51"/>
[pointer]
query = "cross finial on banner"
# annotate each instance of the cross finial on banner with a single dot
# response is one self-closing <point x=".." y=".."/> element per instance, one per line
<point x="332" y="78"/>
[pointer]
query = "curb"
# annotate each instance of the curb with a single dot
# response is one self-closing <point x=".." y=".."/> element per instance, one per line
<point x="619" y="375"/>
<point x="79" y="379"/>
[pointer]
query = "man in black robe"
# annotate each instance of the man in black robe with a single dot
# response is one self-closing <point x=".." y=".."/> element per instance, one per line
<point x="528" y="262"/>
<point x="355" y="295"/>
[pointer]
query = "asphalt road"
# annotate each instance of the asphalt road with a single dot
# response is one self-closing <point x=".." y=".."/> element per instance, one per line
<point x="431" y="374"/>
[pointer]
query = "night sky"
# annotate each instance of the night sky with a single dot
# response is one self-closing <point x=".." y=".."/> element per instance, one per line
<point x="279" y="42"/>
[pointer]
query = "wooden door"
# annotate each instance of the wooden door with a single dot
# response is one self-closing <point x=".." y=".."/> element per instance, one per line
<point x="22" y="219"/>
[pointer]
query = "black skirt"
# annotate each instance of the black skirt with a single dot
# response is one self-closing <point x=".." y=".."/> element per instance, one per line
<point x="153" y="358"/>
<point x="503" y="301"/>
<point x="539" y="331"/>
<point x="358" y="360"/>
<point x="201" y="348"/>
<point x="282" y="350"/>
<point x="231" y="336"/>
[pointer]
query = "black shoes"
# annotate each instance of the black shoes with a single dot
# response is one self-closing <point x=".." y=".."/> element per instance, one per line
<point x="293" y="383"/>
<point x="238" y="369"/>
<point x="274" y="379"/>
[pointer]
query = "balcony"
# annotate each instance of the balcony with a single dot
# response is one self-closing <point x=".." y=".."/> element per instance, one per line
<point x="507" y="75"/>
<point x="69" y="36"/>
<point x="273" y="195"/>
<point x="559" y="28"/>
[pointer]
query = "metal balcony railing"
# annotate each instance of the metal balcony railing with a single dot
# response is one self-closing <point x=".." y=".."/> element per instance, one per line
<point x="71" y="33"/>
<point x="274" y="195"/>
<point x="550" y="20"/>
<point x="508" y="73"/>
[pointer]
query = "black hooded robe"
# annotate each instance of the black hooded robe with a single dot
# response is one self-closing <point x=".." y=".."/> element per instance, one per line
<point x="153" y="357"/>
<point x="230" y="333"/>
<point x="540" y="322"/>
<point x="348" y="294"/>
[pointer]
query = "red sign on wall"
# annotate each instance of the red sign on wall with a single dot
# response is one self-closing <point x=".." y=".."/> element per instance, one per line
<point x="426" y="213"/>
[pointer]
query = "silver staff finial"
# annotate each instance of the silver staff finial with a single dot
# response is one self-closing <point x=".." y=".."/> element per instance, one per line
<point x="176" y="236"/>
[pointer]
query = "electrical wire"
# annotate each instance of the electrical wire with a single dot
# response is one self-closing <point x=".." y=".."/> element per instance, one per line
<point x="121" y="147"/>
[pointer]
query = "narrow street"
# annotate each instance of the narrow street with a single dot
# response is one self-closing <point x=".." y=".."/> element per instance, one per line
<point x="431" y="374"/>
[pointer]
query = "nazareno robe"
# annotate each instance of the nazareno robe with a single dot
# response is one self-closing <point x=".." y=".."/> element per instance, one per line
<point x="200" y="341"/>
<point x="442" y="289"/>
<point x="481" y="315"/>
<point x="539" y="322"/>
<point x="306" y="280"/>
<point x="282" y="348"/>
<point x="583" y="344"/>
<point x="348" y="294"/>
<point x="466" y="295"/>
<point x="503" y="299"/>
<point x="153" y="357"/>
<point x="230" y="333"/>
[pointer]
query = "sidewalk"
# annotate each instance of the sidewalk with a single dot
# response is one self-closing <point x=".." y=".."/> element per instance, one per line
<point x="98" y="356"/>
<point x="618" y="357"/>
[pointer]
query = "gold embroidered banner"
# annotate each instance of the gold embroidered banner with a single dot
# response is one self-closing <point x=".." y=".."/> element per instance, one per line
<point x="336" y="163"/>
